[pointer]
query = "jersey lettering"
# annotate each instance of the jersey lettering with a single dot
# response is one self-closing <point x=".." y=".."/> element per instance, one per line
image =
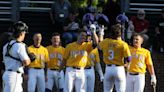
<point x="140" y="58"/>
<point x="56" y="55"/>
<point x="77" y="53"/>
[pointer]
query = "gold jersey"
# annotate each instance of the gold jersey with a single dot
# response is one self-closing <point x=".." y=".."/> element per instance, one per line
<point x="42" y="56"/>
<point x="93" y="58"/>
<point x="77" y="55"/>
<point x="140" y="58"/>
<point x="114" y="51"/>
<point x="56" y="56"/>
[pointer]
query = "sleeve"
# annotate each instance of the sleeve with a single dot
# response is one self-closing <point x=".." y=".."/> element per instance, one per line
<point x="97" y="55"/>
<point x="63" y="52"/>
<point x="29" y="49"/>
<point x="66" y="54"/>
<point x="46" y="55"/>
<point x="89" y="47"/>
<point x="101" y="44"/>
<point x="22" y="53"/>
<point x="126" y="51"/>
<point x="148" y="59"/>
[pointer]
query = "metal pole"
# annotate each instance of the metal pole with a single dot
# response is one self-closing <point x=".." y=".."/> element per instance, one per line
<point x="124" y="5"/>
<point x="15" y="10"/>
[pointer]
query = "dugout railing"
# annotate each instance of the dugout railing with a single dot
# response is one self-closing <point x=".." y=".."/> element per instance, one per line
<point x="10" y="9"/>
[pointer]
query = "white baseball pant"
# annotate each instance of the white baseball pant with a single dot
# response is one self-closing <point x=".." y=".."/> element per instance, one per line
<point x="12" y="81"/>
<point x="90" y="79"/>
<point x="56" y="77"/>
<point x="36" y="77"/>
<point x="114" y="75"/>
<point x="74" y="77"/>
<point x="135" y="83"/>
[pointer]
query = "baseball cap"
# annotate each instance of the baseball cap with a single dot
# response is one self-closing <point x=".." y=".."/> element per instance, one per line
<point x="88" y="17"/>
<point x="122" y="18"/>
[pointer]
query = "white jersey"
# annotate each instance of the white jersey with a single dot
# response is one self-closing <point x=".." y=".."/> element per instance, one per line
<point x="18" y="50"/>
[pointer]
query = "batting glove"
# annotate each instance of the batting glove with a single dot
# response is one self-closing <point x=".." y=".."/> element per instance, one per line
<point x="93" y="28"/>
<point x="101" y="30"/>
<point x="153" y="80"/>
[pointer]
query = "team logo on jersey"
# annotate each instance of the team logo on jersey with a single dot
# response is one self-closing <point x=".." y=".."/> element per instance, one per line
<point x="56" y="55"/>
<point x="79" y="53"/>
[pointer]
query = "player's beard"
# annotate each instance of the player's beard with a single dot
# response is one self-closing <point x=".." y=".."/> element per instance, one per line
<point x="56" y="44"/>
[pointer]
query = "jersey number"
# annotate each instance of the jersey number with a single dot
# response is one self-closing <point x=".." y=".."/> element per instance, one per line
<point x="111" y="54"/>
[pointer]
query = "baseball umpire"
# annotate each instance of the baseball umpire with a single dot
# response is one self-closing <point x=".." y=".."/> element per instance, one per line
<point x="15" y="57"/>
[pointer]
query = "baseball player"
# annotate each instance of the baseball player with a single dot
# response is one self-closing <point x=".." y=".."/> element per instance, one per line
<point x="15" y="57"/>
<point x="36" y="73"/>
<point x="93" y="60"/>
<point x="76" y="55"/>
<point x="54" y="75"/>
<point x="114" y="51"/>
<point x="141" y="59"/>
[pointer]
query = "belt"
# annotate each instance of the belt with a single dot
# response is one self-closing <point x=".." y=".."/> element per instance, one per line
<point x="87" y="67"/>
<point x="54" y="69"/>
<point x="13" y="71"/>
<point x="112" y="65"/>
<point x="133" y="73"/>
<point x="76" y="68"/>
<point x="36" y="67"/>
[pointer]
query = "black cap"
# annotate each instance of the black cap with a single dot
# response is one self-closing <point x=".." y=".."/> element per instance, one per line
<point x="20" y="26"/>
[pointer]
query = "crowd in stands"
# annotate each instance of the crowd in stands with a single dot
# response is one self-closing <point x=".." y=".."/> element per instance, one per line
<point x="68" y="16"/>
